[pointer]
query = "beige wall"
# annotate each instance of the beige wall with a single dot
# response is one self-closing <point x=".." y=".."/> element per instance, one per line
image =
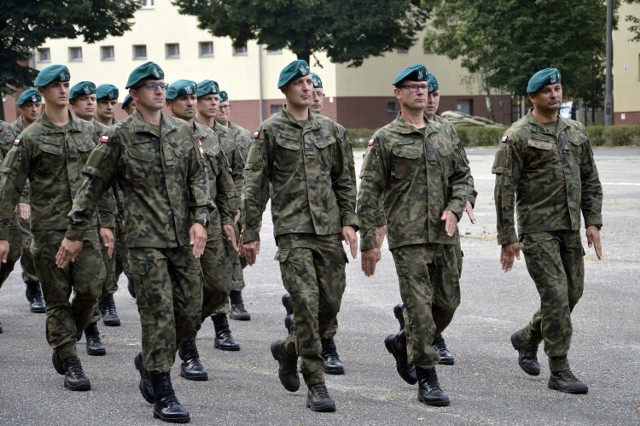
<point x="626" y="64"/>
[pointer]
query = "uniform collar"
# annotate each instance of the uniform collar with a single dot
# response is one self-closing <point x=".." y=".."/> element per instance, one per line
<point x="142" y="126"/>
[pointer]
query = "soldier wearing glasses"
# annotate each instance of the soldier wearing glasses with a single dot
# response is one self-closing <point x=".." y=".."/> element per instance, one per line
<point x="155" y="161"/>
<point x="421" y="176"/>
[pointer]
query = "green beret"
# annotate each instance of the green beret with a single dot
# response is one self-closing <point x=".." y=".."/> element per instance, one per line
<point x="52" y="73"/>
<point x="146" y="71"/>
<point x="207" y="87"/>
<point x="416" y="72"/>
<point x="81" y="89"/>
<point x="29" y="95"/>
<point x="181" y="88"/>
<point x="542" y="78"/>
<point x="317" y="83"/>
<point x="127" y="101"/>
<point x="294" y="70"/>
<point x="224" y="96"/>
<point x="432" y="82"/>
<point x="107" y="92"/>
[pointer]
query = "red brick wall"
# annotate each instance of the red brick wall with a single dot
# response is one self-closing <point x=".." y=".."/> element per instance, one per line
<point x="630" y="118"/>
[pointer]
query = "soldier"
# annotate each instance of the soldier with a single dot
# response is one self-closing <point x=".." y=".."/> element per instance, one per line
<point x="242" y="141"/>
<point x="546" y="173"/>
<point x="154" y="160"/>
<point x="30" y="105"/>
<point x="331" y="363"/>
<point x="208" y="101"/>
<point x="107" y="97"/>
<point x="420" y="173"/>
<point x="298" y="160"/>
<point x="181" y="99"/>
<point x="129" y="105"/>
<point x="393" y="342"/>
<point x="82" y="102"/>
<point x="51" y="153"/>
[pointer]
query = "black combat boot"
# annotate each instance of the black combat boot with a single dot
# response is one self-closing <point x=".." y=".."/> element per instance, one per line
<point x="35" y="298"/>
<point x="108" y="309"/>
<point x="288" y="322"/>
<point x="57" y="363"/>
<point x="286" y="302"/>
<point x="238" y="311"/>
<point x="397" y="346"/>
<point x="446" y="357"/>
<point x="94" y="344"/>
<point x="397" y="312"/>
<point x="331" y="363"/>
<point x="74" y="377"/>
<point x="131" y="287"/>
<point x="145" y="385"/>
<point x="224" y="340"/>
<point x="191" y="368"/>
<point x="0" y="328"/>
<point x="288" y="366"/>
<point x="166" y="406"/>
<point x="429" y="390"/>
<point x="527" y="353"/>
<point x="318" y="398"/>
<point x="565" y="381"/>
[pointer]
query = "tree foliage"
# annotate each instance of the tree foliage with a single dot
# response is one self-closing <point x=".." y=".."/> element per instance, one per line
<point x="508" y="40"/>
<point x="25" y="25"/>
<point x="349" y="31"/>
<point x="634" y="22"/>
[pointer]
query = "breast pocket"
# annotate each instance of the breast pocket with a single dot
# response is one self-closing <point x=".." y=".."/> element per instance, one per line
<point x="287" y="153"/>
<point x="140" y="168"/>
<point x="50" y="157"/>
<point x="405" y="161"/>
<point x="540" y="153"/>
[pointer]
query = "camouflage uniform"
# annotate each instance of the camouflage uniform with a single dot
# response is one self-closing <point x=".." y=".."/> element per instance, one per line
<point x="52" y="157"/>
<point x="312" y="198"/>
<point x="419" y="173"/>
<point x="14" y="238"/>
<point x="547" y="174"/>
<point x="233" y="153"/>
<point x="215" y="260"/>
<point x="164" y="185"/>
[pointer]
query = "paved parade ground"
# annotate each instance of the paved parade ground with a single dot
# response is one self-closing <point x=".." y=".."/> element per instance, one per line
<point x="486" y="386"/>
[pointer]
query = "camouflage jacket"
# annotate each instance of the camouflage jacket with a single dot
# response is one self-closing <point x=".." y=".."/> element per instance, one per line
<point x="52" y="158"/>
<point x="242" y="139"/>
<point x="221" y="186"/>
<point x="162" y="178"/>
<point x="419" y="174"/>
<point x="231" y="153"/>
<point x="548" y="178"/>
<point x="311" y="190"/>
<point x="7" y="136"/>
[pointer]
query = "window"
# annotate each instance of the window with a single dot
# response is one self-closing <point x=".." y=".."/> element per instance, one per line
<point x="401" y="50"/>
<point x="427" y="51"/>
<point x="205" y="48"/>
<point x="240" y="50"/>
<point x="139" y="51"/>
<point x="172" y="50"/>
<point x="274" y="51"/>
<point x="465" y="105"/>
<point x="75" y="54"/>
<point x="146" y="4"/>
<point x="107" y="53"/>
<point x="391" y="106"/>
<point x="275" y="108"/>
<point x="44" y="54"/>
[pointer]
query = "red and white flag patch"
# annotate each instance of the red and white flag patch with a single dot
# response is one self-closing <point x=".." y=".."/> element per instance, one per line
<point x="104" y="139"/>
<point x="16" y="142"/>
<point x="256" y="134"/>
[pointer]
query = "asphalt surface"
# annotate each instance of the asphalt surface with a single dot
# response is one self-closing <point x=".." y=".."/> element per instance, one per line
<point x="486" y="386"/>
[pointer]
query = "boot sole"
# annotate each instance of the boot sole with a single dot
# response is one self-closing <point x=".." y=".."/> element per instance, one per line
<point x="554" y="386"/>
<point x="195" y="377"/>
<point x="333" y="372"/>
<point x="241" y="317"/>
<point x="171" y="419"/>
<point x="112" y="323"/>
<point x="81" y="387"/>
<point x="446" y="361"/>
<point x="436" y="403"/>
<point x="226" y="348"/>
<point x="37" y="310"/>
<point x="327" y="408"/>
<point x="96" y="352"/>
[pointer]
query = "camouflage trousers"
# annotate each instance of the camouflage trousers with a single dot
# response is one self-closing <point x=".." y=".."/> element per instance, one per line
<point x="430" y="290"/>
<point x="238" y="264"/>
<point x="168" y="284"/>
<point x="555" y="261"/>
<point x="26" y="258"/>
<point x="313" y="272"/>
<point x="14" y="250"/>
<point x="113" y="268"/>
<point x="218" y="276"/>
<point x="83" y="277"/>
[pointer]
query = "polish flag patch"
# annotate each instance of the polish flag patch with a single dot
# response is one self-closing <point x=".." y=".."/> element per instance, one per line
<point x="16" y="142"/>
<point x="504" y="139"/>
<point x="256" y="134"/>
<point x="104" y="139"/>
<point x="371" y="141"/>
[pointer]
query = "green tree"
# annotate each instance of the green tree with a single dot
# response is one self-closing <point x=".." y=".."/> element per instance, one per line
<point x="506" y="41"/>
<point x="349" y="31"/>
<point x="26" y="24"/>
<point x="634" y="22"/>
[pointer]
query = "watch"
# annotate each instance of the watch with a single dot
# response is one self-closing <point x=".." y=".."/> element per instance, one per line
<point x="203" y="222"/>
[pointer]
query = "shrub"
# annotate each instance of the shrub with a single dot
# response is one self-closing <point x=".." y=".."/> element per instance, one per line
<point x="480" y="136"/>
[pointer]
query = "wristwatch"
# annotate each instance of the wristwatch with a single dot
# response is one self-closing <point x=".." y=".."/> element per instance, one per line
<point x="203" y="222"/>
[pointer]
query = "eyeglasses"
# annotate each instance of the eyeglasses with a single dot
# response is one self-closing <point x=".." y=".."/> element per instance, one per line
<point x="318" y="95"/>
<point x="414" y="87"/>
<point x="152" y="85"/>
<point x="221" y="107"/>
